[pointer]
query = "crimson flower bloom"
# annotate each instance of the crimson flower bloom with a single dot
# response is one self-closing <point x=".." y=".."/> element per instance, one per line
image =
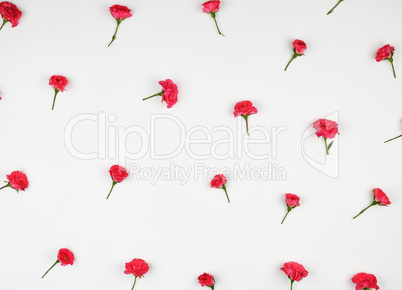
<point x="207" y="280"/>
<point x="119" y="13"/>
<point x="118" y="174"/>
<point x="219" y="181"/>
<point x="10" y="13"/>
<point x="16" y="180"/>
<point x="169" y="93"/>
<point x="292" y="200"/>
<point x="298" y="50"/>
<point x="64" y="257"/>
<point x="295" y="272"/>
<point x="386" y="53"/>
<point x="326" y="129"/>
<point x="245" y="109"/>
<point x="58" y="83"/>
<point x="212" y="7"/>
<point x="380" y="198"/>
<point x="137" y="267"/>
<point x="365" y="281"/>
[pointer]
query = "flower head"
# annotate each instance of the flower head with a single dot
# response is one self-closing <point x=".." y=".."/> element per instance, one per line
<point x="206" y="280"/>
<point x="326" y="128"/>
<point x="169" y="92"/>
<point x="118" y="173"/>
<point x="295" y="271"/>
<point x="18" y="180"/>
<point x="365" y="281"/>
<point x="58" y="82"/>
<point x="384" y="52"/>
<point x="244" y="108"/>
<point x="381" y="197"/>
<point x="292" y="200"/>
<point x="10" y="12"/>
<point x="211" y="6"/>
<point x="137" y="267"/>
<point x="218" y="181"/>
<point x="299" y="46"/>
<point x="65" y="257"/>
<point x="120" y="12"/>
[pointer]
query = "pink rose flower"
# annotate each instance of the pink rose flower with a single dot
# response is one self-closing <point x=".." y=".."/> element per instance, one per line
<point x="10" y="13"/>
<point x="386" y="52"/>
<point x="137" y="267"/>
<point x="292" y="200"/>
<point x="219" y="181"/>
<point x="207" y="280"/>
<point x="295" y="272"/>
<point x="211" y="7"/>
<point x="326" y="129"/>
<point x="118" y="174"/>
<point x="245" y="109"/>
<point x="65" y="257"/>
<point x="365" y="281"/>
<point x="330" y="11"/>
<point x="58" y="83"/>
<point x="380" y="198"/>
<point x="16" y="180"/>
<point x="298" y="50"/>
<point x="119" y="13"/>
<point x="169" y="93"/>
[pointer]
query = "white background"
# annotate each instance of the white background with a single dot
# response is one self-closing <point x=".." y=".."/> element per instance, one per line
<point x="184" y="230"/>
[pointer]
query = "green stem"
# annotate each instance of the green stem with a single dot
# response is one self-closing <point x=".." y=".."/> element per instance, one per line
<point x="158" y="94"/>
<point x="55" y="263"/>
<point x="54" y="99"/>
<point x="374" y="203"/>
<point x="293" y="57"/>
<point x="326" y="146"/>
<point x="213" y="14"/>
<point x="392" y="64"/>
<point x="227" y="196"/>
<point x="385" y="141"/>
<point x="246" y="118"/>
<point x="114" y="183"/>
<point x="135" y="280"/>
<point x="291" y="284"/>
<point x="330" y="11"/>
<point x="289" y="209"/>
<point x="7" y="185"/>
<point x="4" y="22"/>
<point x="114" y="35"/>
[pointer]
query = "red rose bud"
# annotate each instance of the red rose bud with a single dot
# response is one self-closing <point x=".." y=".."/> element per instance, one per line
<point x="386" y="52"/>
<point x="211" y="7"/>
<point x="365" y="281"/>
<point x="169" y="93"/>
<point x="16" y="180"/>
<point x="330" y="11"/>
<point x="119" y="13"/>
<point x="244" y="109"/>
<point x="10" y="13"/>
<point x="298" y="50"/>
<point x="58" y="83"/>
<point x="207" y="280"/>
<point x="219" y="181"/>
<point x="380" y="198"/>
<point x="138" y="268"/>
<point x="295" y="272"/>
<point x="326" y="129"/>
<point x="64" y="257"/>
<point x="292" y="200"/>
<point x="118" y="174"/>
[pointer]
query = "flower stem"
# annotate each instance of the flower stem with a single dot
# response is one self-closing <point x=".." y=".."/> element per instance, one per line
<point x="246" y="118"/>
<point x="158" y="94"/>
<point x="227" y="196"/>
<point x="289" y="209"/>
<point x="55" y="263"/>
<point x="213" y="14"/>
<point x="374" y="203"/>
<point x="7" y="185"/>
<point x="293" y="57"/>
<point x="114" y="35"/>
<point x="291" y="283"/>
<point x="330" y="11"/>
<point x="114" y="183"/>
<point x="54" y="99"/>
<point x="385" y="141"/>
<point x="135" y="280"/>
<point x="392" y="64"/>
<point x="326" y="146"/>
<point x="4" y="22"/>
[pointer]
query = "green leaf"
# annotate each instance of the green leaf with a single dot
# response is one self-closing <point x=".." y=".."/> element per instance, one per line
<point x="330" y="145"/>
